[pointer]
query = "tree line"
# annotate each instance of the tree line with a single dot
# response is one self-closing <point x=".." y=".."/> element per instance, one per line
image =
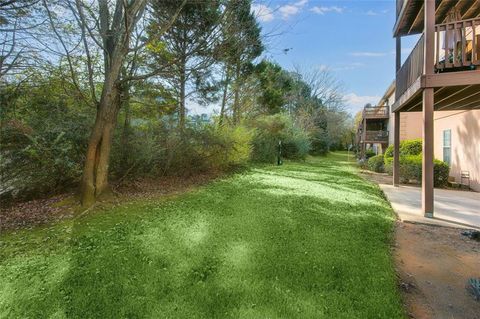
<point x="92" y="91"/>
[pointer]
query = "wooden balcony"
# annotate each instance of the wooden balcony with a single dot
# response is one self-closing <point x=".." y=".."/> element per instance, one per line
<point x="375" y="137"/>
<point x="376" y="112"/>
<point x="457" y="45"/>
<point x="457" y="69"/>
<point x="410" y="14"/>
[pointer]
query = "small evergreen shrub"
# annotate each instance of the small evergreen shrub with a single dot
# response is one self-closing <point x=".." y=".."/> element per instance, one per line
<point x="375" y="163"/>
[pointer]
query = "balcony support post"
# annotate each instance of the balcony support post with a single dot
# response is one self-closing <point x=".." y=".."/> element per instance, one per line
<point x="364" y="137"/>
<point x="427" y="151"/>
<point x="428" y="108"/>
<point x="396" y="150"/>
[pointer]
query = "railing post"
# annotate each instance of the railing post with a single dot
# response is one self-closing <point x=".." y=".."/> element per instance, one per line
<point x="398" y="54"/>
<point x="429" y="37"/>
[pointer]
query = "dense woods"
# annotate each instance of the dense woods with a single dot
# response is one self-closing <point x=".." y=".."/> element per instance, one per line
<point x="95" y="93"/>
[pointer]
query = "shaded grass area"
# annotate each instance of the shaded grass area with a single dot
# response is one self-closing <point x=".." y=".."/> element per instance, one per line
<point x="304" y="240"/>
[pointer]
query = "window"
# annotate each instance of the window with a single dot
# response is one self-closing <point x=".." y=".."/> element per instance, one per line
<point x="447" y="146"/>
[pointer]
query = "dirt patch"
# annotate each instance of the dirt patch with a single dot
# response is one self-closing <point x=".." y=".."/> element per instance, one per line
<point x="434" y="264"/>
<point x="379" y="178"/>
<point x="37" y="212"/>
<point x="43" y="211"/>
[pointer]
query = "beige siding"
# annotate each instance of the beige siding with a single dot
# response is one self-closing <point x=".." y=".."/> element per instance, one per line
<point x="465" y="142"/>
<point x="465" y="137"/>
<point x="410" y="125"/>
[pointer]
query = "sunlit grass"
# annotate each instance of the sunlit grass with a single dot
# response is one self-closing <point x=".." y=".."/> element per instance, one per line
<point x="303" y="240"/>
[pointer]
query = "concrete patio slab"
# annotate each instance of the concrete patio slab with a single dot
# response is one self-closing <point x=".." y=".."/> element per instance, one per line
<point x="453" y="208"/>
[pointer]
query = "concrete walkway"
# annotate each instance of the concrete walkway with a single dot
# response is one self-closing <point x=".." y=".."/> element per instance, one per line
<point x="453" y="208"/>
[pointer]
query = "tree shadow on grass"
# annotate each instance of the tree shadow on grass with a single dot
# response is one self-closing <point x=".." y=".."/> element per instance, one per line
<point x="237" y="248"/>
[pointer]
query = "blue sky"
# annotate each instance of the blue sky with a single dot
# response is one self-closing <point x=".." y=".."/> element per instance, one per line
<point x="353" y="39"/>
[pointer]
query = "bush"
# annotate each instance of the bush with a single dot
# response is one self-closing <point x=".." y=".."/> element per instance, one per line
<point x="369" y="153"/>
<point x="272" y="129"/>
<point x="388" y="152"/>
<point x="161" y="150"/>
<point x="34" y="163"/>
<point x="226" y="147"/>
<point x="320" y="143"/>
<point x="411" y="147"/>
<point x="411" y="169"/>
<point x="407" y="147"/>
<point x="441" y="171"/>
<point x="375" y="163"/>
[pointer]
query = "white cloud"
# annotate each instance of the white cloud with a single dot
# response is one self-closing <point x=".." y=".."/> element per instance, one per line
<point x="375" y="13"/>
<point x="323" y="67"/>
<point x="348" y="66"/>
<point x="288" y="10"/>
<point x="262" y="12"/>
<point x="368" y="54"/>
<point x="322" y="10"/>
<point x="292" y="9"/>
<point x="301" y="3"/>
<point x="340" y="66"/>
<point x="356" y="102"/>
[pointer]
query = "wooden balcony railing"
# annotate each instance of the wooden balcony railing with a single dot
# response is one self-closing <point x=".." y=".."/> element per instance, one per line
<point x="457" y="48"/>
<point x="376" y="136"/>
<point x="457" y="44"/>
<point x="375" y="112"/>
<point x="411" y="70"/>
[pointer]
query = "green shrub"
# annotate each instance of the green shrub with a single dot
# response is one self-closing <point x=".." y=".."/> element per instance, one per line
<point x="407" y="148"/>
<point x="320" y="143"/>
<point x="157" y="149"/>
<point x="411" y="169"/>
<point x="388" y="152"/>
<point x="369" y="153"/>
<point x="375" y="163"/>
<point x="228" y="147"/>
<point x="270" y="130"/>
<point x="441" y="171"/>
<point x="34" y="163"/>
<point x="411" y="147"/>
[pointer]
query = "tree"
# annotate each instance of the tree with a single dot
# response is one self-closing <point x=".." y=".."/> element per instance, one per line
<point x="17" y="19"/>
<point x="107" y="28"/>
<point x="274" y="85"/>
<point x="185" y="50"/>
<point x="240" y="46"/>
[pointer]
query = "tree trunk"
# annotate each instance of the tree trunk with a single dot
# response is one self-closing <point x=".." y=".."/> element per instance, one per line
<point x="181" y="110"/>
<point x="95" y="171"/>
<point x="224" y="98"/>
<point x="236" y="87"/>
<point x="125" y="102"/>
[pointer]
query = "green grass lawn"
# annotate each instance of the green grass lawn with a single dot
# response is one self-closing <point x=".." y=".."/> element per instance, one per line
<point x="304" y="240"/>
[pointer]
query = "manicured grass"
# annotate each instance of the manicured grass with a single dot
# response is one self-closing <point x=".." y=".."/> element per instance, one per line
<point x="304" y="240"/>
